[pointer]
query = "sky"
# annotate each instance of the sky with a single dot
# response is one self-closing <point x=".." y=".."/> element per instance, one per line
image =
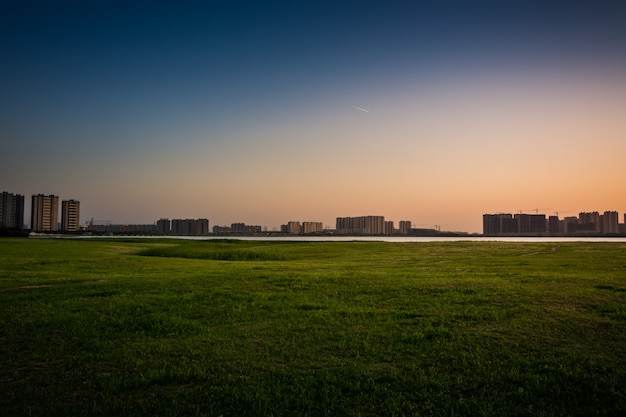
<point x="269" y="112"/>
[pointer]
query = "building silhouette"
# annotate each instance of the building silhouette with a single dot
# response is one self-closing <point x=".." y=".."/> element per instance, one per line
<point x="312" y="227"/>
<point x="164" y="226"/>
<point x="11" y="210"/>
<point x="304" y="228"/>
<point x="45" y="213"/>
<point x="190" y="227"/>
<point x="363" y="225"/>
<point x="242" y="228"/>
<point x="531" y="223"/>
<point x="587" y="223"/>
<point x="405" y="227"/>
<point x="499" y="224"/>
<point x="70" y="215"/>
<point x="292" y="228"/>
<point x="610" y="222"/>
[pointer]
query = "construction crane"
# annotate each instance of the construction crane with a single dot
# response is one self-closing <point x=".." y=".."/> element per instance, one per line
<point x="565" y="211"/>
<point x="91" y="222"/>
<point x="536" y="210"/>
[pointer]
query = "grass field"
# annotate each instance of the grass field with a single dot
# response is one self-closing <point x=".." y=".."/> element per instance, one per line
<point x="242" y="328"/>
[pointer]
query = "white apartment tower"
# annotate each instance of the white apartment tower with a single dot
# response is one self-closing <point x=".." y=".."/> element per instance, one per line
<point x="45" y="213"/>
<point x="70" y="215"/>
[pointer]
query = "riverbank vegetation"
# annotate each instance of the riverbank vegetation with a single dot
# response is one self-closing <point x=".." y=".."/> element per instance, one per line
<point x="146" y="327"/>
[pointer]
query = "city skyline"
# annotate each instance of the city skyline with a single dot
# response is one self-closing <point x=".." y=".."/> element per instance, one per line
<point x="294" y="110"/>
<point x="45" y="218"/>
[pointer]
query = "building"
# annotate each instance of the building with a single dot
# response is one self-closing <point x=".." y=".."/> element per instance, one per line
<point x="312" y="227"/>
<point x="531" y="223"/>
<point x="388" y="227"/>
<point x="70" y="215"/>
<point x="292" y="228"/>
<point x="610" y="222"/>
<point x="45" y="213"/>
<point x="405" y="227"/>
<point x="164" y="226"/>
<point x="553" y="225"/>
<point x="589" y="222"/>
<point x="109" y="227"/>
<point x="11" y="210"/>
<point x="570" y="225"/>
<point x="499" y="224"/>
<point x="220" y="230"/>
<point x="363" y="225"/>
<point x="242" y="228"/>
<point x="190" y="227"/>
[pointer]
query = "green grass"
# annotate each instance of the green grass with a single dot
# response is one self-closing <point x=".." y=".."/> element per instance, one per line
<point x="150" y="327"/>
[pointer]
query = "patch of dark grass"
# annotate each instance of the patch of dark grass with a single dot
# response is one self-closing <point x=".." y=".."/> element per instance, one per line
<point x="218" y="251"/>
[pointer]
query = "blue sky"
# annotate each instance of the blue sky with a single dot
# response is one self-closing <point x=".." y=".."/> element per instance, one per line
<point x="245" y="111"/>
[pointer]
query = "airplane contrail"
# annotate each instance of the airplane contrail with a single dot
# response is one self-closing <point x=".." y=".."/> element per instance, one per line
<point x="360" y="108"/>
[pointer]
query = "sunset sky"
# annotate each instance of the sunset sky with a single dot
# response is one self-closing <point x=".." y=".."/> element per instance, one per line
<point x="266" y="112"/>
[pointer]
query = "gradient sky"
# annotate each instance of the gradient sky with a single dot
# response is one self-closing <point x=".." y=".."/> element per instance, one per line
<point x="254" y="111"/>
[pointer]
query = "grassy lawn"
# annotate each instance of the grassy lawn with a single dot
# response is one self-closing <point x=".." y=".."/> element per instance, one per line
<point x="233" y="328"/>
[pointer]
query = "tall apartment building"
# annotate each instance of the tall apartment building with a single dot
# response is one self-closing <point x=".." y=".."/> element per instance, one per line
<point x="11" y="210"/>
<point x="312" y="227"/>
<point x="70" y="215"/>
<point x="190" y="227"/>
<point x="405" y="227"/>
<point x="531" y="223"/>
<point x="365" y="225"/>
<point x="553" y="225"/>
<point x="589" y="222"/>
<point x="243" y="228"/>
<point x="610" y="222"/>
<point x="164" y="226"/>
<point x="570" y="225"/>
<point x="293" y="228"/>
<point x="499" y="224"/>
<point x="45" y="213"/>
<point x="506" y="224"/>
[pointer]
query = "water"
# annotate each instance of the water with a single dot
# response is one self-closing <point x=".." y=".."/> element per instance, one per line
<point x="398" y="239"/>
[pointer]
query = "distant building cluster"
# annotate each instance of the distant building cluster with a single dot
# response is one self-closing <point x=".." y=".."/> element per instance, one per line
<point x="304" y="228"/>
<point x="237" y="229"/>
<point x="106" y="227"/>
<point x="44" y="214"/>
<point x="370" y="225"/>
<point x="587" y="223"/>
<point x="183" y="227"/>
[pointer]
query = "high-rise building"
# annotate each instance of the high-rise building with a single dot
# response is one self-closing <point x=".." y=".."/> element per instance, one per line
<point x="610" y="222"/>
<point x="531" y="223"/>
<point x="293" y="228"/>
<point x="164" y="226"/>
<point x="11" y="210"/>
<point x="570" y="225"/>
<point x="499" y="224"/>
<point x="405" y="227"/>
<point x="70" y="215"/>
<point x="553" y="225"/>
<point x="45" y="213"/>
<point x="190" y="227"/>
<point x="312" y="227"/>
<point x="589" y="222"/>
<point x="365" y="225"/>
